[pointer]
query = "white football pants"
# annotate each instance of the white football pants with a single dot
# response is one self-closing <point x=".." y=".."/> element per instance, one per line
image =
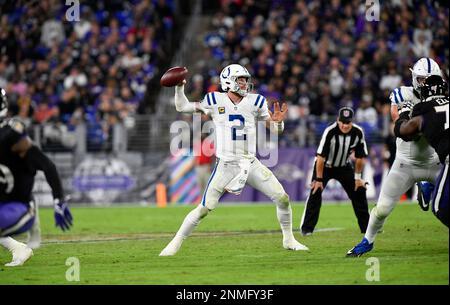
<point x="260" y="177"/>
<point x="399" y="180"/>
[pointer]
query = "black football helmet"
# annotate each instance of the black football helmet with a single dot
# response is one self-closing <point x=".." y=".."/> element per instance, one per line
<point x="433" y="86"/>
<point x="3" y="104"/>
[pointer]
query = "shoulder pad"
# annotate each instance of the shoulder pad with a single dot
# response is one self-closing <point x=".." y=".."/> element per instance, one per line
<point x="257" y="99"/>
<point x="401" y="94"/>
<point x="211" y="98"/>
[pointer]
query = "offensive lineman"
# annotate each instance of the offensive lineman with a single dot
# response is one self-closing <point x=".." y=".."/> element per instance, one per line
<point x="19" y="161"/>
<point x="431" y="117"/>
<point x="415" y="161"/>
<point x="235" y="114"/>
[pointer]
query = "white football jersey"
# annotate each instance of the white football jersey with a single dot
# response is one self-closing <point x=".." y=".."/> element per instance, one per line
<point x="235" y="124"/>
<point x="414" y="152"/>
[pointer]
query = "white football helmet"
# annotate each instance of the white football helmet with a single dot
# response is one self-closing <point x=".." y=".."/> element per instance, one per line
<point x="423" y="68"/>
<point x="229" y="77"/>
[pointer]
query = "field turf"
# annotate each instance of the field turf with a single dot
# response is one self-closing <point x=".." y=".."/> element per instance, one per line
<point x="235" y="244"/>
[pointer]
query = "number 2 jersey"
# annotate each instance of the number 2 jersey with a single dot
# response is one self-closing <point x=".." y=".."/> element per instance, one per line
<point x="435" y="124"/>
<point x="16" y="174"/>
<point x="235" y="124"/>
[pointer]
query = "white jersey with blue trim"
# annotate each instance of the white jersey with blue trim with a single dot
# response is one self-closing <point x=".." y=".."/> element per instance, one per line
<point x="235" y="124"/>
<point x="417" y="152"/>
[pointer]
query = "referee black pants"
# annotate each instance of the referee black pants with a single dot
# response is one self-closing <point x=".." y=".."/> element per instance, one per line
<point x="345" y="176"/>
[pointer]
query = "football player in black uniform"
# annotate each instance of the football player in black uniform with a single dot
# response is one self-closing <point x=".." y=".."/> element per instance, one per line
<point x="19" y="161"/>
<point x="431" y="118"/>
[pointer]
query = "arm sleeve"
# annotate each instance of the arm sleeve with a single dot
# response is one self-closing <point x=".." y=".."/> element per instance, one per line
<point x="182" y="104"/>
<point x="407" y="129"/>
<point x="39" y="160"/>
<point x="421" y="109"/>
<point x="361" y="150"/>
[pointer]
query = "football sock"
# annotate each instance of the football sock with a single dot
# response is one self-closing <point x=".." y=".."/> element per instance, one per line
<point x="191" y="221"/>
<point x="9" y="243"/>
<point x="284" y="215"/>
<point x="34" y="234"/>
<point x="374" y="226"/>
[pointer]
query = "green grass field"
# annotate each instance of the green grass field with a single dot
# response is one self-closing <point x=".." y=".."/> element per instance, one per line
<point x="233" y="245"/>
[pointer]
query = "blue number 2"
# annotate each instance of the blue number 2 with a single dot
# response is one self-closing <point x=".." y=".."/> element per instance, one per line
<point x="235" y="136"/>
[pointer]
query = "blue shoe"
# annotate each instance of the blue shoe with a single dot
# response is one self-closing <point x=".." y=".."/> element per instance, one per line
<point x="360" y="249"/>
<point x="424" y="194"/>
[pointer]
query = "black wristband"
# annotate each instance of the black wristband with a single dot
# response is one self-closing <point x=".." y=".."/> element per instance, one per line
<point x="319" y="179"/>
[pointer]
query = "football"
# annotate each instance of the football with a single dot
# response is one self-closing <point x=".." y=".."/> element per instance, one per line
<point x="173" y="76"/>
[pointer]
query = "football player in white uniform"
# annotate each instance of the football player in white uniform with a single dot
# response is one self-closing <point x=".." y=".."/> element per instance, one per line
<point x="415" y="160"/>
<point x="235" y="113"/>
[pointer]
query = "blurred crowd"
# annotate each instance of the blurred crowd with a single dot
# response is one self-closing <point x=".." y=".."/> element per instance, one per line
<point x="319" y="55"/>
<point x="315" y="55"/>
<point x="96" y="69"/>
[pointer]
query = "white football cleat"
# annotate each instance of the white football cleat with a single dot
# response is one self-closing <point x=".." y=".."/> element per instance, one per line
<point x="294" y="245"/>
<point x="20" y="255"/>
<point x="172" y="248"/>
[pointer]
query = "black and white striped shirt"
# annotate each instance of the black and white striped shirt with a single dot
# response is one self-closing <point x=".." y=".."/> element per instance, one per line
<point x="336" y="146"/>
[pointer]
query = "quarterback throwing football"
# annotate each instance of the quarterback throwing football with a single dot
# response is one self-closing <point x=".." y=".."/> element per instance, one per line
<point x="235" y="113"/>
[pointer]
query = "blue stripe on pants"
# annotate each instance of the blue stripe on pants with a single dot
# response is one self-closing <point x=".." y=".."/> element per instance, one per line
<point x="209" y="181"/>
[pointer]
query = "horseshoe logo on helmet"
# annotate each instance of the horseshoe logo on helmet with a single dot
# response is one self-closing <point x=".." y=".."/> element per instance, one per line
<point x="228" y="74"/>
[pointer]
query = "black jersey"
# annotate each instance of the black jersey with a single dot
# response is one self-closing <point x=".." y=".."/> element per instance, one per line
<point x="435" y="123"/>
<point x="16" y="173"/>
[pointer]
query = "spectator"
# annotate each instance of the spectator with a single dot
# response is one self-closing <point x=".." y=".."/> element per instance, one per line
<point x="52" y="33"/>
<point x="391" y="80"/>
<point x="421" y="47"/>
<point x="403" y="50"/>
<point x="109" y="45"/>
<point x="422" y="34"/>
<point x="75" y="78"/>
<point x="284" y="44"/>
<point x="366" y="113"/>
<point x="44" y="112"/>
<point x="336" y="80"/>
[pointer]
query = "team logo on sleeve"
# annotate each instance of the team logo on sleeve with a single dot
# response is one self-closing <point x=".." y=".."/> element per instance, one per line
<point x="221" y="110"/>
<point x="17" y="126"/>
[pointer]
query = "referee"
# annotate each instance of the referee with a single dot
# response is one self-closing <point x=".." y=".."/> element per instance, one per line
<point x="339" y="140"/>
